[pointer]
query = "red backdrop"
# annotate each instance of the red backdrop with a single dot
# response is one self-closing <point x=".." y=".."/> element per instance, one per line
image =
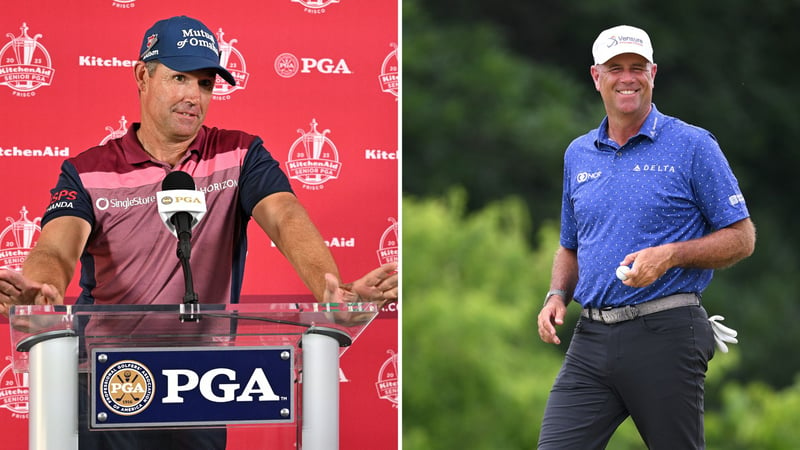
<point x="306" y="70"/>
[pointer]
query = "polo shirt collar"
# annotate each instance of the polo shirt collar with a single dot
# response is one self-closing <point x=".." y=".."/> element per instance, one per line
<point x="135" y="153"/>
<point x="649" y="129"/>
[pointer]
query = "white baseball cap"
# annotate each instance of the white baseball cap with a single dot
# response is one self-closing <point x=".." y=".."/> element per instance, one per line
<point x="621" y="39"/>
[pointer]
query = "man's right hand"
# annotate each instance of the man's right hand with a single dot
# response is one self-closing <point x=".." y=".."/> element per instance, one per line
<point x="551" y="315"/>
<point x="15" y="289"/>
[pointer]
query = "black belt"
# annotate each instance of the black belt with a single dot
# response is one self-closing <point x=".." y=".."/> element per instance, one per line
<point x="629" y="312"/>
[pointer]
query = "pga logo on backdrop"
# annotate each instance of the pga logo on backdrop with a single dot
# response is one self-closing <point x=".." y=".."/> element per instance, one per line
<point x="288" y="65"/>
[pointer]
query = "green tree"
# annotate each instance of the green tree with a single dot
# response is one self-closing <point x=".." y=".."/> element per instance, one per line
<point x="478" y="116"/>
<point x="475" y="373"/>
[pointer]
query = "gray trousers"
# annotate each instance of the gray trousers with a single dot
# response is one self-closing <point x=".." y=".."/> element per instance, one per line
<point x="651" y="368"/>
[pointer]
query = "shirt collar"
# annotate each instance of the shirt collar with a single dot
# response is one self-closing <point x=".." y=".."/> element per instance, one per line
<point x="649" y="129"/>
<point x="135" y="153"/>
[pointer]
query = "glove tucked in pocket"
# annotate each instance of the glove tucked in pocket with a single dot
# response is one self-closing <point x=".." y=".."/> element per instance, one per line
<point x="722" y="334"/>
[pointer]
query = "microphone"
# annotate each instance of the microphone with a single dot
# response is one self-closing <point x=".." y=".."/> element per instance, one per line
<point x="181" y="207"/>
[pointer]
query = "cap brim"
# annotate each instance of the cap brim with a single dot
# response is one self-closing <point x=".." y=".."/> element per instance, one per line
<point x="187" y="64"/>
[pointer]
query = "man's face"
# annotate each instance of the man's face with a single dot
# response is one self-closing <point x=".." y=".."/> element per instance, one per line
<point x="625" y="83"/>
<point x="175" y="103"/>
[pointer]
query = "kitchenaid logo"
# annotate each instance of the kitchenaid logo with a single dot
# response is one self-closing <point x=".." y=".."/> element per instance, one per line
<point x="43" y="152"/>
<point x="380" y="154"/>
<point x="98" y="61"/>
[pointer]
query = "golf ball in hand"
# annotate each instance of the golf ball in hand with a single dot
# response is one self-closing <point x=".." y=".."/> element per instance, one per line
<point x="622" y="272"/>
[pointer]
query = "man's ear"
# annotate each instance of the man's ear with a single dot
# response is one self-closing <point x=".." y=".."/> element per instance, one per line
<point x="140" y="74"/>
<point x="595" y="73"/>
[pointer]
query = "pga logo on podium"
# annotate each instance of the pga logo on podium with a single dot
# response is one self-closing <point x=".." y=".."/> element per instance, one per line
<point x="191" y="386"/>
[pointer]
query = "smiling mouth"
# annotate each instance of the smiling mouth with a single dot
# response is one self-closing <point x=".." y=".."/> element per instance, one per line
<point x="627" y="91"/>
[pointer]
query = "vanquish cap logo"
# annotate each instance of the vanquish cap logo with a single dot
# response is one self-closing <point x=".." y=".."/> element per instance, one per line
<point x="127" y="388"/>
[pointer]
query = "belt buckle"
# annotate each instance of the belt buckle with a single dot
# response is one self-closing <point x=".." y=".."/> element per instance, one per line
<point x="601" y="314"/>
<point x="620" y="314"/>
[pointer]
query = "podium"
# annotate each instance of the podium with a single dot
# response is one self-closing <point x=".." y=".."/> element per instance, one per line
<point x="165" y="367"/>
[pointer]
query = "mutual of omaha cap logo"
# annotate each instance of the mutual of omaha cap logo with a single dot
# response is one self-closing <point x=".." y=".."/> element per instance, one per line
<point x="127" y="388"/>
<point x="621" y="39"/>
<point x="183" y="44"/>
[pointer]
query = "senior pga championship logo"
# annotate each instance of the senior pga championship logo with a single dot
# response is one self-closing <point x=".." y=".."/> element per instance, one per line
<point x="17" y="240"/>
<point x="115" y="133"/>
<point x="387" y="384"/>
<point x="231" y="59"/>
<point x="388" y="246"/>
<point x="14" y="391"/>
<point x="388" y="78"/>
<point x="25" y="64"/>
<point x="313" y="158"/>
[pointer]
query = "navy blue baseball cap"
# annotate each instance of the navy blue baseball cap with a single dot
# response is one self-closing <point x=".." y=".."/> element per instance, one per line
<point x="183" y="44"/>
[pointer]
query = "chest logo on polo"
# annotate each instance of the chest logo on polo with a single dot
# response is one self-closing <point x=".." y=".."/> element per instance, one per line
<point x="654" y="168"/>
<point x="586" y="176"/>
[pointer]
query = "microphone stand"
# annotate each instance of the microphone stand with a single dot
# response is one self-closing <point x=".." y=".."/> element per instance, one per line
<point x="190" y="297"/>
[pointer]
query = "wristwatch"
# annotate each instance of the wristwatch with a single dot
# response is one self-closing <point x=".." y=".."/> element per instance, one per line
<point x="553" y="292"/>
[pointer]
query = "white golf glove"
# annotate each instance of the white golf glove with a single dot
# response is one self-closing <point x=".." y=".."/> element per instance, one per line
<point x="722" y="334"/>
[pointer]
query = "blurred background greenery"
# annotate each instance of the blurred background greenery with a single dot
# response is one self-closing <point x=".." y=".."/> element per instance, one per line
<point x="492" y="94"/>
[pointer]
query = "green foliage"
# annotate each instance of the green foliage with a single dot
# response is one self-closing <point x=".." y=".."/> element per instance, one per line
<point x="476" y="115"/>
<point x="475" y="374"/>
<point x="755" y="416"/>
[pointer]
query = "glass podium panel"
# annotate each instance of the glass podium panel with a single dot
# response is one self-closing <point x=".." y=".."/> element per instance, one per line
<point x="162" y="367"/>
